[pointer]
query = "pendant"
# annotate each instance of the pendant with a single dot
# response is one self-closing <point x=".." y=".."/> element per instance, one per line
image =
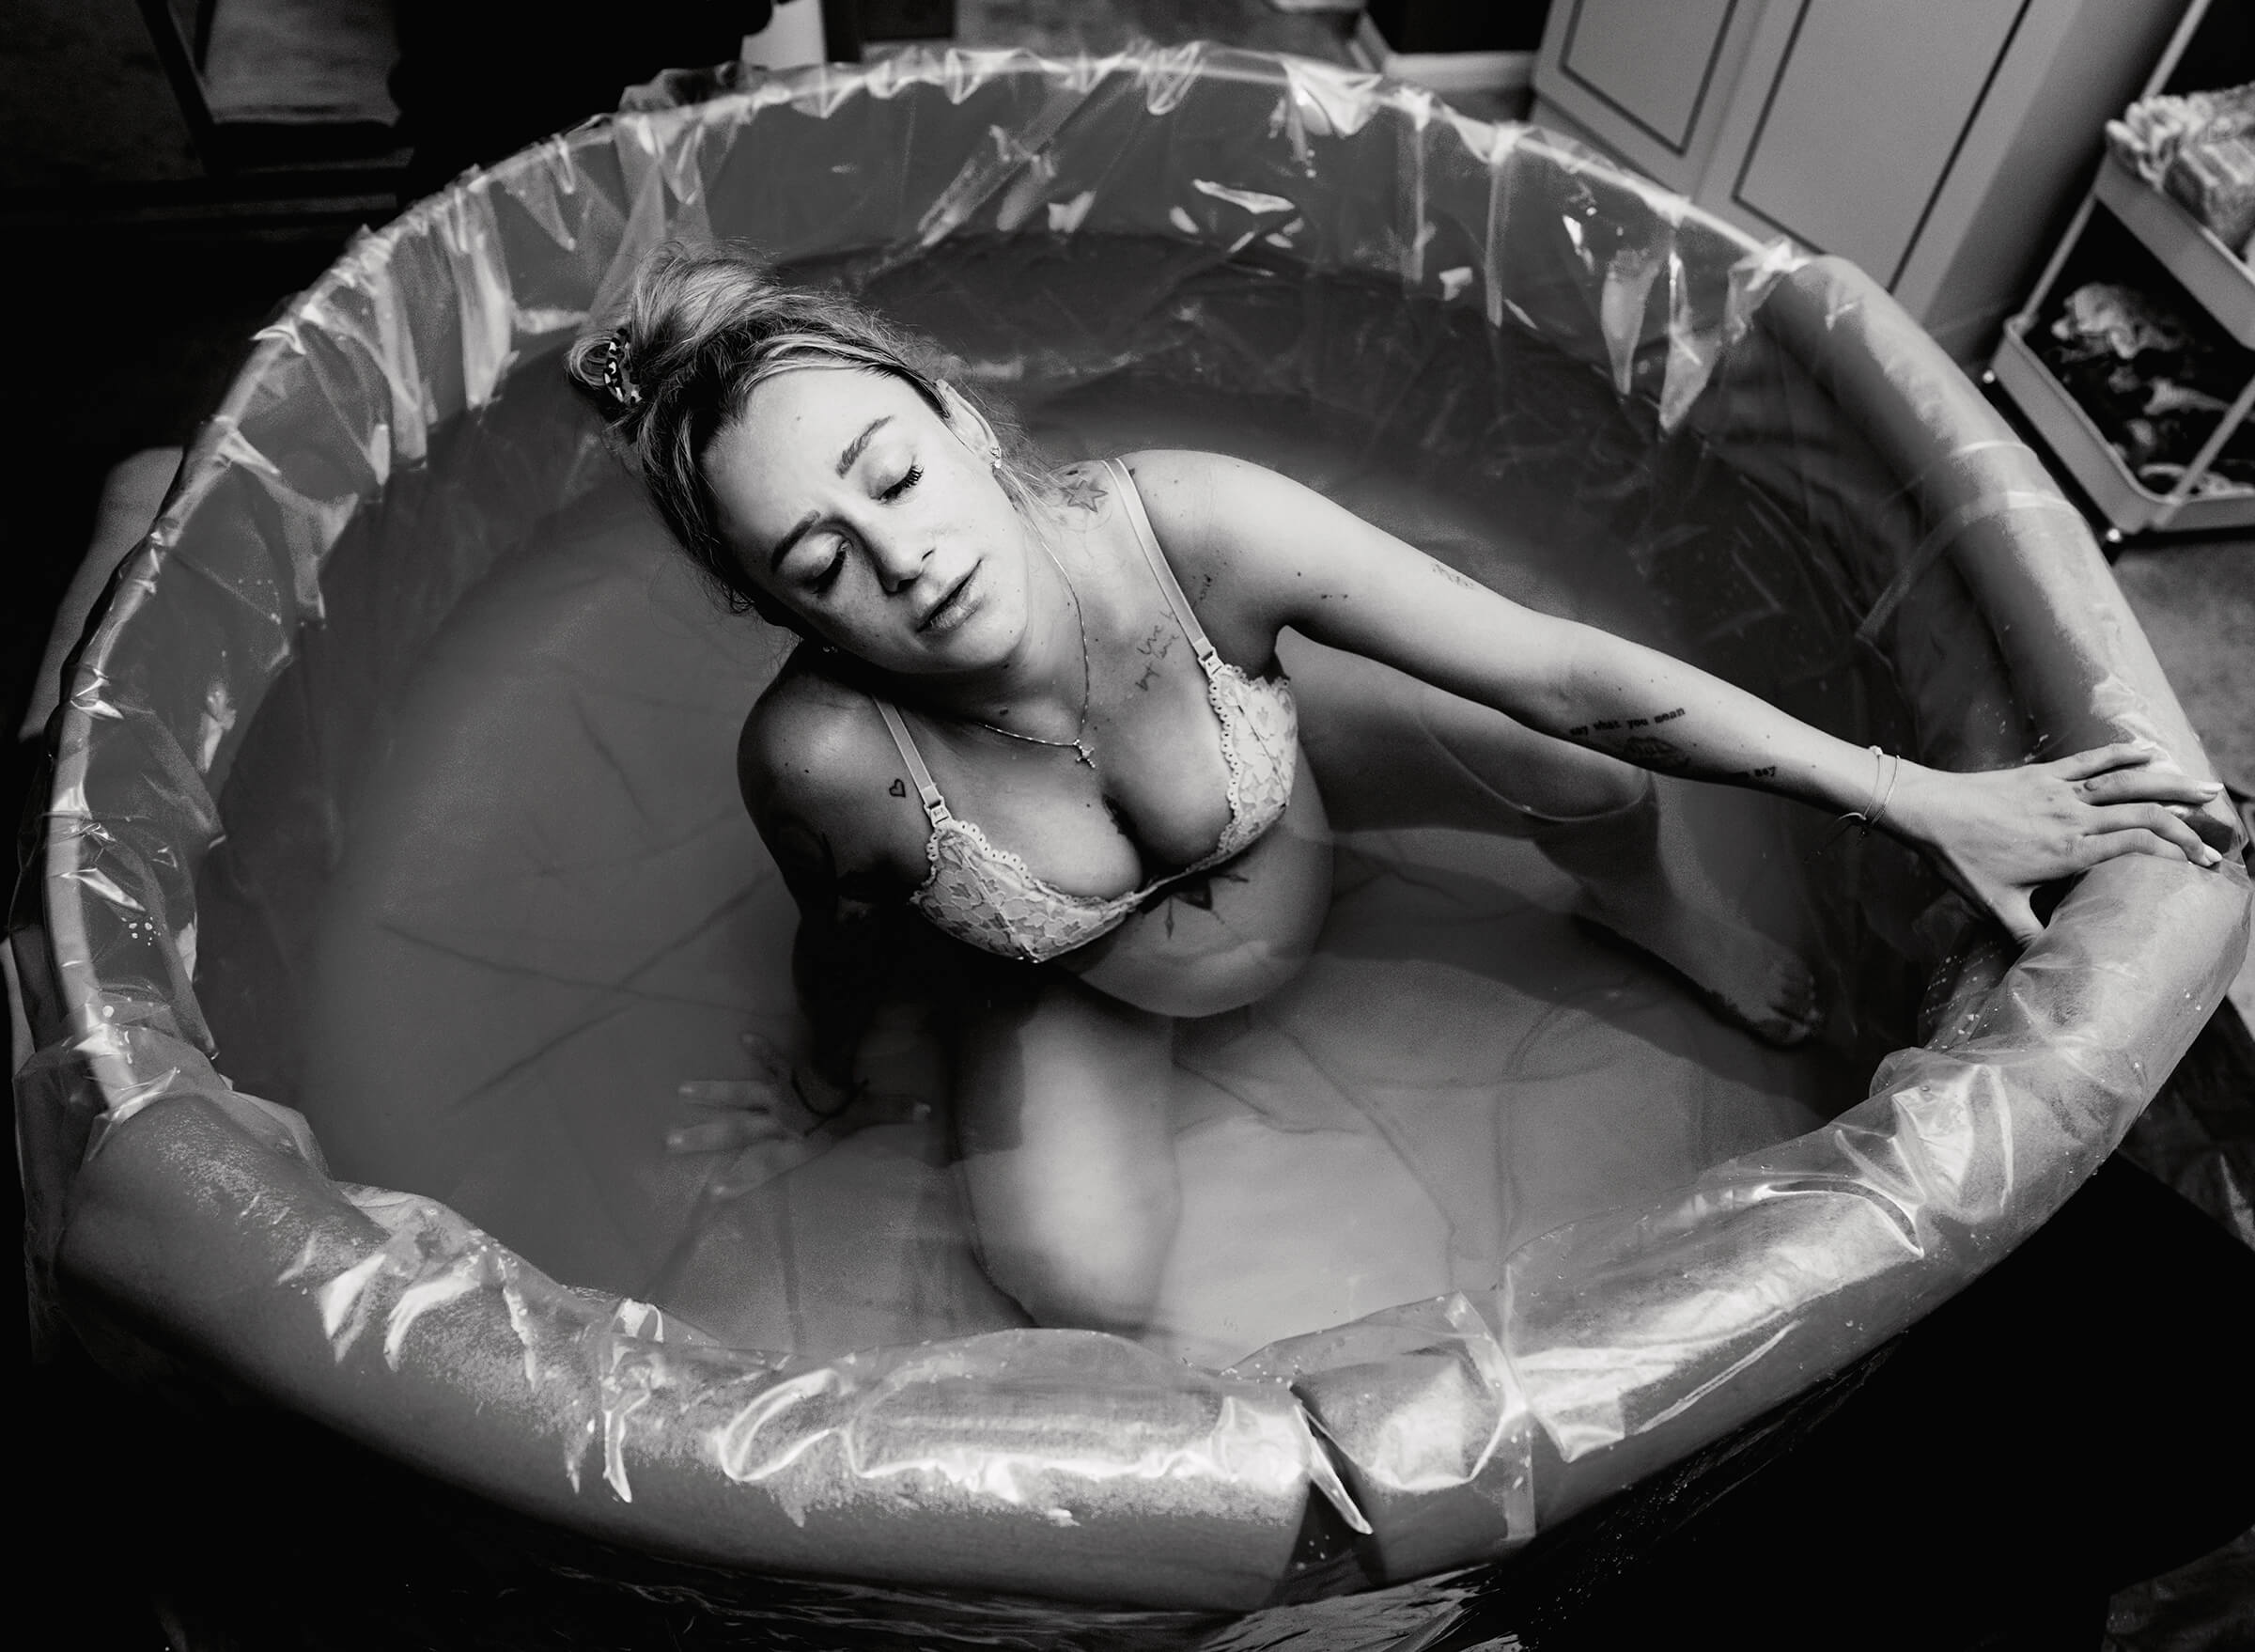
<point x="1085" y="752"/>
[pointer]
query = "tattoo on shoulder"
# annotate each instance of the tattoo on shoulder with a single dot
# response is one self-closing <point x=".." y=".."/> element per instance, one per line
<point x="1081" y="489"/>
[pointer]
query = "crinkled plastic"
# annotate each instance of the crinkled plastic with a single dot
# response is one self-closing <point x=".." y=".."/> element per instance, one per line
<point x="1280" y="228"/>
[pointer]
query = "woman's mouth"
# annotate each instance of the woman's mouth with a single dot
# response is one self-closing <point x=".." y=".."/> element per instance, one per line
<point x="959" y="604"/>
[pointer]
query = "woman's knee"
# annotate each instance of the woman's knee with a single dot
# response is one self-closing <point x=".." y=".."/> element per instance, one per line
<point x="1091" y="1265"/>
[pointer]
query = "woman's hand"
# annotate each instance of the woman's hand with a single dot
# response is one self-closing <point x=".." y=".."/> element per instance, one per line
<point x="779" y="1119"/>
<point x="763" y="1120"/>
<point x="2000" y="835"/>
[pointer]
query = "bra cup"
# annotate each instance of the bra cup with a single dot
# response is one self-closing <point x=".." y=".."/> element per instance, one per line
<point x="987" y="895"/>
<point x="1260" y="741"/>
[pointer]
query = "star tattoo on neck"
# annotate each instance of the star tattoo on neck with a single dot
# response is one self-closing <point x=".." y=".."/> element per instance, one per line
<point x="1082" y="491"/>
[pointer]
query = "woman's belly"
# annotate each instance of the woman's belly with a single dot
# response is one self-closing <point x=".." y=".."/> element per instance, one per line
<point x="1231" y="936"/>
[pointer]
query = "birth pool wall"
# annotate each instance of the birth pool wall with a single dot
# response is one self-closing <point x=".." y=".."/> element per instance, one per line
<point x="367" y="472"/>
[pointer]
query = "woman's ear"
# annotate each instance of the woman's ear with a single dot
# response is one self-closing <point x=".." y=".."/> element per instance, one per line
<point x="971" y="425"/>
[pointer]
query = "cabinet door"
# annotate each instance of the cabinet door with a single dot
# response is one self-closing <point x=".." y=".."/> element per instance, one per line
<point x="1847" y="142"/>
<point x="1649" y="80"/>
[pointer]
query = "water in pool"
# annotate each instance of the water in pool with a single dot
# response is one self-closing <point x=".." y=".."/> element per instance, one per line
<point x="548" y="907"/>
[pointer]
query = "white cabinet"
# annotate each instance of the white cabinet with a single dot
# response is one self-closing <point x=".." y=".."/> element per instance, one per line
<point x="1934" y="142"/>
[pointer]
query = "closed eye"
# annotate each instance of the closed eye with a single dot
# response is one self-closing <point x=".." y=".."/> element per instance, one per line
<point x="821" y="582"/>
<point x="908" y="480"/>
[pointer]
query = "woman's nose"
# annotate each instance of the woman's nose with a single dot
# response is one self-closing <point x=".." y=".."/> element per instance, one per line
<point x="898" y="562"/>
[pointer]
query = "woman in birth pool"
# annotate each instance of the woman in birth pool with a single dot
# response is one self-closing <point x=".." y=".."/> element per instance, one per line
<point x="1034" y="754"/>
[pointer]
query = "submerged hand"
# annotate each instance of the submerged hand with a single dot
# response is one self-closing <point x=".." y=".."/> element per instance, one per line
<point x="2000" y="835"/>
<point x="761" y="1119"/>
<point x="788" y="1116"/>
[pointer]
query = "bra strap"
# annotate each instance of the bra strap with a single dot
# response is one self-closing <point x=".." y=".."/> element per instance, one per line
<point x="1161" y="570"/>
<point x="935" y="806"/>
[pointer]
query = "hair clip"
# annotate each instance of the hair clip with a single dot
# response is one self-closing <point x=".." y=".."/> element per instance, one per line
<point x="611" y="378"/>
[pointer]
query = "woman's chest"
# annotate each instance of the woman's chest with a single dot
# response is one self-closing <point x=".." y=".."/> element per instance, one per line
<point x="1160" y="792"/>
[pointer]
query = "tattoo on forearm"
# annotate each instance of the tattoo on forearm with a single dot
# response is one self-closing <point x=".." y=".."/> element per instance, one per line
<point x="1628" y="738"/>
<point x="1455" y="576"/>
<point x="1767" y="772"/>
<point x="1649" y="751"/>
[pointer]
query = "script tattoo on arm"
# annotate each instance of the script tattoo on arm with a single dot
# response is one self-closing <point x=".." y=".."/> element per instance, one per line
<point x="1633" y="741"/>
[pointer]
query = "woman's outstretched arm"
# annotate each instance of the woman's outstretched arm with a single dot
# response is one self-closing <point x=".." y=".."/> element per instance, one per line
<point x="1282" y="554"/>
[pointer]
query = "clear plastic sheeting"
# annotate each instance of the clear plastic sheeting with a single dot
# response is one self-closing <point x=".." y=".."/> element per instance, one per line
<point x="399" y="760"/>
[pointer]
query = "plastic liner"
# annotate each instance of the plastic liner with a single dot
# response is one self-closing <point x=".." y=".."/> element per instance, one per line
<point x="1899" y="570"/>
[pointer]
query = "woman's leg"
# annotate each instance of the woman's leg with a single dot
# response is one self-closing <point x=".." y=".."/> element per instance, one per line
<point x="1390" y="751"/>
<point x="1063" y="1128"/>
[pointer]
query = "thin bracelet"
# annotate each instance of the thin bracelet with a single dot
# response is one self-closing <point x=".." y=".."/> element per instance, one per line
<point x="1893" y="773"/>
<point x="1868" y="820"/>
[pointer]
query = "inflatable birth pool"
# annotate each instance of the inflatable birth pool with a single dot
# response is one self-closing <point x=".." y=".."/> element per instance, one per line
<point x="391" y="875"/>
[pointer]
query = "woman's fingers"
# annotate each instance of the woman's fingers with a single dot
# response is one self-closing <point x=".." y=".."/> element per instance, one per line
<point x="728" y="1091"/>
<point x="2125" y="754"/>
<point x="2105" y="845"/>
<point x="2151" y="783"/>
<point x="766" y="1056"/>
<point x="2153" y="817"/>
<point x="725" y="1135"/>
<point x="754" y="1170"/>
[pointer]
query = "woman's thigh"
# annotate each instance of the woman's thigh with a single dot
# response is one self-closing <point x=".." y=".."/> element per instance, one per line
<point x="1064" y="1130"/>
<point x="1391" y="751"/>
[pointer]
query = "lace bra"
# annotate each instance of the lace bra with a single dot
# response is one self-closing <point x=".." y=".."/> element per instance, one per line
<point x="989" y="896"/>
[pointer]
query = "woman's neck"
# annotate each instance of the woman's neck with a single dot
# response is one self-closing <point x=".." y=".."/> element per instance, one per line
<point x="1045" y="687"/>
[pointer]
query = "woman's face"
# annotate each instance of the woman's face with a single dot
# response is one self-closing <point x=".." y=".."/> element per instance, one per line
<point x="881" y="526"/>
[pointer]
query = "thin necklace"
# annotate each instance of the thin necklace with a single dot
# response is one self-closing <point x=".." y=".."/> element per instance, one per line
<point x="1079" y="743"/>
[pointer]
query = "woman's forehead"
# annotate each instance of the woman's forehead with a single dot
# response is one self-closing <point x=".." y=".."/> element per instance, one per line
<point x="798" y="430"/>
<point x="819" y="399"/>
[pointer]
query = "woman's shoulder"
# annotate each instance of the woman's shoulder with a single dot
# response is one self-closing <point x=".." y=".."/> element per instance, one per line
<point x="1202" y="504"/>
<point x="815" y="748"/>
<point x="1226" y="525"/>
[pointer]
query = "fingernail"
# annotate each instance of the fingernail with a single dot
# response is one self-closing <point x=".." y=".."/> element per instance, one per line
<point x="2212" y="788"/>
<point x="675" y="1138"/>
<point x="2210" y="858"/>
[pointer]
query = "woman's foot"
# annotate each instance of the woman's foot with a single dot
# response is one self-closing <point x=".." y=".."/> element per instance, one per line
<point x="1747" y="978"/>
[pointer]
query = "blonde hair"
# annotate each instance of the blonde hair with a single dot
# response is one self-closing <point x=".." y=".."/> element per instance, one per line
<point x="702" y="330"/>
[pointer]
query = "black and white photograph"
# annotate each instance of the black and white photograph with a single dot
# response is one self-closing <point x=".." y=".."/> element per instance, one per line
<point x="1131" y="825"/>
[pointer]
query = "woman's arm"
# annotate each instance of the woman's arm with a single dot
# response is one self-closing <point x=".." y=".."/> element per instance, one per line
<point x="1283" y="553"/>
<point x="801" y="772"/>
